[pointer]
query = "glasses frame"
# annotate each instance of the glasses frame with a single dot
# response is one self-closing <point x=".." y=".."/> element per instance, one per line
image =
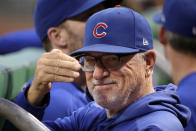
<point x="99" y="58"/>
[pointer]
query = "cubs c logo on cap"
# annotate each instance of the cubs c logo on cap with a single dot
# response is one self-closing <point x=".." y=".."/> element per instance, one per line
<point x="99" y="25"/>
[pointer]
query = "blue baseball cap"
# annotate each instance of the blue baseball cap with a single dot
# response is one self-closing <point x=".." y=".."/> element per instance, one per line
<point x="117" y="30"/>
<point x="51" y="13"/>
<point x="178" y="16"/>
<point x="17" y="40"/>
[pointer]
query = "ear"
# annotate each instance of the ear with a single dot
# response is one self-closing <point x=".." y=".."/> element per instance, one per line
<point x="162" y="35"/>
<point x="56" y="37"/>
<point x="150" y="58"/>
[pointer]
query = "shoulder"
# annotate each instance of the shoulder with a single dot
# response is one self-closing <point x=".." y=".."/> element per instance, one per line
<point x="186" y="89"/>
<point x="87" y="117"/>
<point x="159" y="121"/>
<point x="163" y="88"/>
<point x="90" y="113"/>
<point x="93" y="108"/>
<point x="187" y="83"/>
<point x="66" y="90"/>
<point x="89" y="110"/>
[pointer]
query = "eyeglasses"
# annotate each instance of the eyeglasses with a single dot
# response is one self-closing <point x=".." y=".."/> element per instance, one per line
<point x="109" y="62"/>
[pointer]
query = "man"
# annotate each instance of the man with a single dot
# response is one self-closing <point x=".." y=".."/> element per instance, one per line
<point x="118" y="62"/>
<point x="60" y="25"/>
<point x="178" y="37"/>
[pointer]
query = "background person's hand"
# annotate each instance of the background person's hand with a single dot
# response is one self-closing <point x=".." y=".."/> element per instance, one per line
<point x="54" y="66"/>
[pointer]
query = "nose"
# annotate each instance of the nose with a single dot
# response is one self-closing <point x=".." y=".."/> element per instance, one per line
<point x="100" y="72"/>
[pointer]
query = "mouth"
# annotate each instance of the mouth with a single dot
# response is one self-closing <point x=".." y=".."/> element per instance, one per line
<point x="107" y="83"/>
<point x="104" y="85"/>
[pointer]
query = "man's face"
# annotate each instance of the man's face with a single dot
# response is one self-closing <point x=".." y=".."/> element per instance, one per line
<point x="116" y="88"/>
<point x="74" y="29"/>
<point x="73" y="35"/>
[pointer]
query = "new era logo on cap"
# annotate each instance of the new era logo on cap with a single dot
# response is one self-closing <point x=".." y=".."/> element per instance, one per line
<point x="163" y="18"/>
<point x="194" y="30"/>
<point x="145" y="42"/>
<point x="101" y="34"/>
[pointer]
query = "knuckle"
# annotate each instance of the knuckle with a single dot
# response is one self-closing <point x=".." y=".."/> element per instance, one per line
<point x="55" y="77"/>
<point x="39" y="62"/>
<point x="56" y="69"/>
<point x="44" y="55"/>
<point x="40" y="67"/>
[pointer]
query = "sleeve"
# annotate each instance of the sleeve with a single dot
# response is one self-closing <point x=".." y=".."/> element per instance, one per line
<point x="77" y="121"/>
<point x="37" y="111"/>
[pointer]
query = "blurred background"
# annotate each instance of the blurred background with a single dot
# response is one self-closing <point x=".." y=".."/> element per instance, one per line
<point x="16" y="15"/>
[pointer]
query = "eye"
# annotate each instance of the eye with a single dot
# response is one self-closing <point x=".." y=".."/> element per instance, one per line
<point x="110" y="61"/>
<point x="113" y="58"/>
<point x="110" y="58"/>
<point x="89" y="61"/>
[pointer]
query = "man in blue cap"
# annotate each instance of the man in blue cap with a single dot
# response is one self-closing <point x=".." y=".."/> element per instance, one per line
<point x="60" y="25"/>
<point x="178" y="37"/>
<point x="118" y="62"/>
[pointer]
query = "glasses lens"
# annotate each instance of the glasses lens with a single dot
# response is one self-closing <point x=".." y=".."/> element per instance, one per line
<point x="88" y="63"/>
<point x="111" y="61"/>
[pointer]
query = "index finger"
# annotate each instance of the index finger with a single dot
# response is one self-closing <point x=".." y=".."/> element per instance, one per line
<point x="57" y="54"/>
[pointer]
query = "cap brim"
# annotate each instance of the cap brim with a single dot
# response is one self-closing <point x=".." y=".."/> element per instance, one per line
<point x="104" y="48"/>
<point x="158" y="18"/>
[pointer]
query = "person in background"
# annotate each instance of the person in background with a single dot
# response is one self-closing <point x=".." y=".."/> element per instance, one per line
<point x="118" y="61"/>
<point x="17" y="40"/>
<point x="178" y="37"/>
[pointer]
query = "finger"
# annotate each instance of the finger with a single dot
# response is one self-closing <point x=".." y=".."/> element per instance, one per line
<point x="75" y="66"/>
<point x="61" y="71"/>
<point x="57" y="78"/>
<point x="58" y="55"/>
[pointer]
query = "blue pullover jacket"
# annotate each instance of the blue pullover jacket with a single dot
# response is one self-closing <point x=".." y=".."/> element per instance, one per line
<point x="159" y="111"/>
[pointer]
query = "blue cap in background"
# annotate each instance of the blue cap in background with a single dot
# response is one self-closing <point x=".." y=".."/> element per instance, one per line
<point x="18" y="40"/>
<point x="117" y="30"/>
<point x="178" y="16"/>
<point x="51" y="13"/>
